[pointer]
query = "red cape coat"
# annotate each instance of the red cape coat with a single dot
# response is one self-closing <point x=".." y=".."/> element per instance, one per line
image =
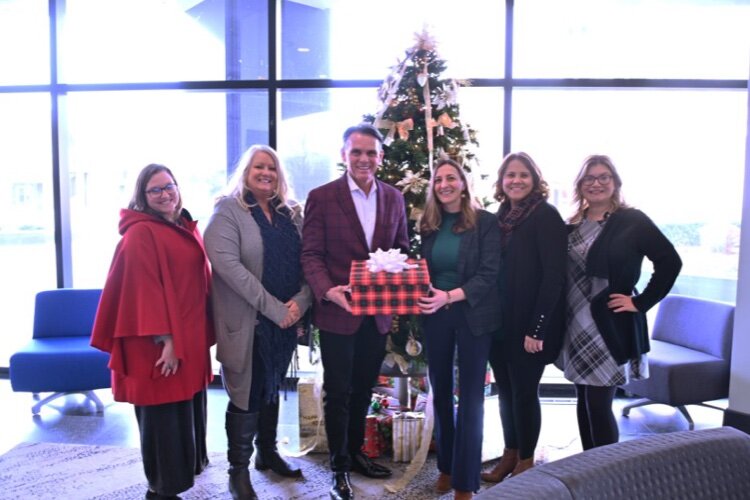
<point x="158" y="284"/>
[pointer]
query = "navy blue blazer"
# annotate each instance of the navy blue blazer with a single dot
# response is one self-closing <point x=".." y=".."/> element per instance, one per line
<point x="478" y="267"/>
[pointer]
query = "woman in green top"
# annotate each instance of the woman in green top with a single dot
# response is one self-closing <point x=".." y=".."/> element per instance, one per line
<point x="461" y="244"/>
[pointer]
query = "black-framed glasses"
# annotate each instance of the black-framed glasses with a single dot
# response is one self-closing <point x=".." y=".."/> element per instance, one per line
<point x="603" y="179"/>
<point x="157" y="191"/>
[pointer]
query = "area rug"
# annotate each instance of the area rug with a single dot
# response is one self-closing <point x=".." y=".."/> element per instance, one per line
<point x="50" y="470"/>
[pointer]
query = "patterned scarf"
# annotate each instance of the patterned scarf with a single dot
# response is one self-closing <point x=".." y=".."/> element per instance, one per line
<point x="509" y="218"/>
<point x="282" y="275"/>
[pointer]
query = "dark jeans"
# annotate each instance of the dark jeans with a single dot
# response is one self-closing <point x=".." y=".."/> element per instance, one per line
<point x="351" y="365"/>
<point x="459" y="442"/>
<point x="520" y="411"/>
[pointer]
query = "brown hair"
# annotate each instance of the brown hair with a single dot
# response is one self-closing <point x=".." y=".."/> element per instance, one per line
<point x="139" y="201"/>
<point x="432" y="217"/>
<point x="540" y="185"/>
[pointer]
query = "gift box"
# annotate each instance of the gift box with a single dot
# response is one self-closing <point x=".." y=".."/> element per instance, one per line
<point x="374" y="445"/>
<point x="312" y="432"/>
<point x="383" y="292"/>
<point x="407" y="435"/>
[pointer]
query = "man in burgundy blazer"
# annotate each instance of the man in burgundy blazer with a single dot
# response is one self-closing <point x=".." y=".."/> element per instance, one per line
<point x="345" y="220"/>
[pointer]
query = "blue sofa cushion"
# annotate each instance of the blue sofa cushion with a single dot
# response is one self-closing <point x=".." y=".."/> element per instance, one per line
<point x="679" y="375"/>
<point x="59" y="364"/>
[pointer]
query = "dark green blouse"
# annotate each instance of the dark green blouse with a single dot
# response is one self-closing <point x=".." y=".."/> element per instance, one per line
<point x="445" y="255"/>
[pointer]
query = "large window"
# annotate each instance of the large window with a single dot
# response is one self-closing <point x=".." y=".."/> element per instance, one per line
<point x="92" y="90"/>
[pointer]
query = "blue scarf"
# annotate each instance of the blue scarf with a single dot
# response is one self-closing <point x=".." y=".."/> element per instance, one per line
<point x="282" y="275"/>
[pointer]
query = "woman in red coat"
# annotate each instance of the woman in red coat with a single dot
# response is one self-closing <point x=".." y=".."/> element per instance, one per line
<point x="153" y="320"/>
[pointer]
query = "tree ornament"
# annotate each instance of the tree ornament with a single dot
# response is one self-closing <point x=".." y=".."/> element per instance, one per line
<point x="413" y="347"/>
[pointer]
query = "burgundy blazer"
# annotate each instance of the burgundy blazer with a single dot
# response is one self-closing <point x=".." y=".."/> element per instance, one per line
<point x="332" y="237"/>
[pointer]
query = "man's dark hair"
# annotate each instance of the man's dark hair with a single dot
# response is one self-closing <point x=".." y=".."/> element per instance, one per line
<point x="365" y="129"/>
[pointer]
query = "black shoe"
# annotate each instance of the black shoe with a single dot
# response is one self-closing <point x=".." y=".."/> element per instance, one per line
<point x="362" y="464"/>
<point x="241" y="428"/>
<point x="240" y="486"/>
<point x="267" y="454"/>
<point x="152" y="495"/>
<point x="271" y="459"/>
<point x="342" y="488"/>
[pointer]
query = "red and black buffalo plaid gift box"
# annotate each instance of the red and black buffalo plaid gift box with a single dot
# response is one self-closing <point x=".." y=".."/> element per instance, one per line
<point x="388" y="293"/>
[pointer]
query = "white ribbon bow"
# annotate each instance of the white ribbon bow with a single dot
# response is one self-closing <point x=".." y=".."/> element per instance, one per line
<point x="392" y="261"/>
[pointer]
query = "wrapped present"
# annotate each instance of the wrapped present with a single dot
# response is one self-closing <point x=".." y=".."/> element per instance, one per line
<point x="385" y="428"/>
<point x="373" y="446"/>
<point x="312" y="433"/>
<point x="384" y="292"/>
<point x="407" y="435"/>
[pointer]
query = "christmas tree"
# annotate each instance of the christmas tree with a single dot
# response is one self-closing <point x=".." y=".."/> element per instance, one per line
<point x="419" y="118"/>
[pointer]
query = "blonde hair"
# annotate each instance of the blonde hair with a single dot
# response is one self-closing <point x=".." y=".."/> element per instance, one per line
<point x="432" y="217"/>
<point x="237" y="187"/>
<point x="581" y="205"/>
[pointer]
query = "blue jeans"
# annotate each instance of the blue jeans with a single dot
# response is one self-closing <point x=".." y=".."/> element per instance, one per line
<point x="459" y="440"/>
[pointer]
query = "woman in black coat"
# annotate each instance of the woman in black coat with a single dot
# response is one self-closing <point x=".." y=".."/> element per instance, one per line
<point x="532" y="285"/>
<point x="606" y="340"/>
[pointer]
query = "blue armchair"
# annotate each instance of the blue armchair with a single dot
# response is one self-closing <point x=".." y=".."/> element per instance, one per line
<point x="691" y="348"/>
<point x="59" y="358"/>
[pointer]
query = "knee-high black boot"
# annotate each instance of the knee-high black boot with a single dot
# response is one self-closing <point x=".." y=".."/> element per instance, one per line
<point x="267" y="454"/>
<point x="241" y="429"/>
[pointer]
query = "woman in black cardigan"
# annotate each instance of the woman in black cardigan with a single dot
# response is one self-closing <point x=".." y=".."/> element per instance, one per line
<point x="532" y="282"/>
<point x="607" y="337"/>
<point x="461" y="244"/>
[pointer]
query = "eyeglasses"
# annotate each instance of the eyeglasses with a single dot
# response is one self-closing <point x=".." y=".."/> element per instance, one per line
<point x="603" y="179"/>
<point x="157" y="191"/>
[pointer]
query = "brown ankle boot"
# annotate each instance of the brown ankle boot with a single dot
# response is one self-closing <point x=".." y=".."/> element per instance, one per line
<point x="443" y="484"/>
<point x="523" y="465"/>
<point x="505" y="466"/>
<point x="462" y="495"/>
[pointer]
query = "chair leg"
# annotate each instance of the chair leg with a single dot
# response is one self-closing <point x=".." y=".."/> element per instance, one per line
<point x="645" y="401"/>
<point x="91" y="395"/>
<point x="635" y="404"/>
<point x="38" y="406"/>
<point x="683" y="410"/>
<point x="95" y="399"/>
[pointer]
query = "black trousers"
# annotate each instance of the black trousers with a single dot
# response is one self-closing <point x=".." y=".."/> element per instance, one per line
<point x="351" y="365"/>
<point x="597" y="424"/>
<point x="173" y="443"/>
<point x="518" y="390"/>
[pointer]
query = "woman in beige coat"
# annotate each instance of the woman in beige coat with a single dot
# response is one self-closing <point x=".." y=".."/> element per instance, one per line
<point x="258" y="294"/>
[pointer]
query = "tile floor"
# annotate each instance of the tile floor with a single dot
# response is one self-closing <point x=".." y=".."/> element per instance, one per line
<point x="73" y="419"/>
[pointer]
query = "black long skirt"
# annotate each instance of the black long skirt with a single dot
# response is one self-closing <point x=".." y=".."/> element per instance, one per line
<point x="173" y="443"/>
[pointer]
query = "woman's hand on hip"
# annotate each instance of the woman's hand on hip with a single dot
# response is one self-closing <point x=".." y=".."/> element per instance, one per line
<point x="621" y="303"/>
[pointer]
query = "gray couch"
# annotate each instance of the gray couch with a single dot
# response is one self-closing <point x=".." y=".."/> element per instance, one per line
<point x="705" y="464"/>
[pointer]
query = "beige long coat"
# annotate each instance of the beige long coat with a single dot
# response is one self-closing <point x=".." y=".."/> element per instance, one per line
<point x="235" y="249"/>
